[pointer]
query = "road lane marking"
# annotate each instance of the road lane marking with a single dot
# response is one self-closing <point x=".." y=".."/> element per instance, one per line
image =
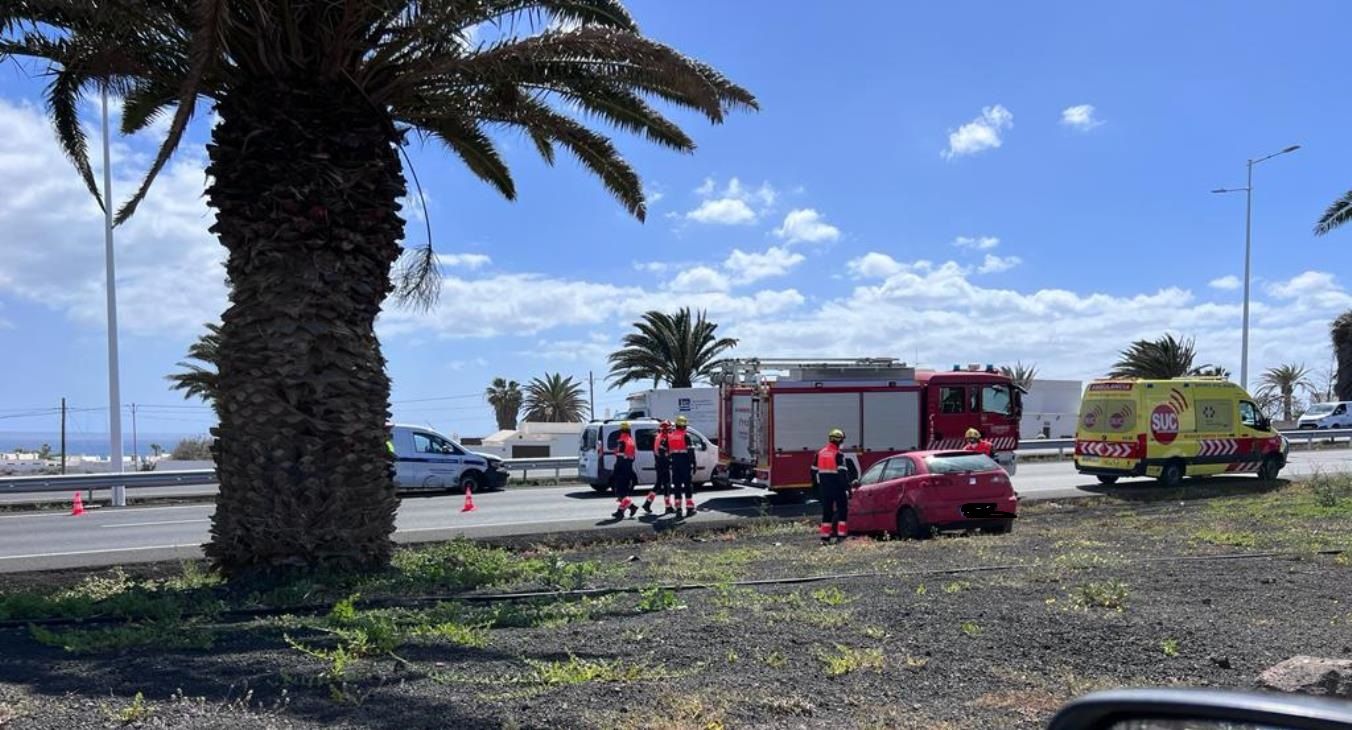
<point x="96" y="552"/>
<point x="116" y="510"/>
<point x="161" y="522"/>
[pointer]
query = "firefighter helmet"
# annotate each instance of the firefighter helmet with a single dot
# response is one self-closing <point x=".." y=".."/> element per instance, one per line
<point x="624" y="425"/>
<point x="973" y="434"/>
<point x="681" y="421"/>
<point x="836" y="436"/>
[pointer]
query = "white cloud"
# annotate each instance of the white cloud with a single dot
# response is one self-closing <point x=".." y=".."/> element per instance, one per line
<point x="699" y="279"/>
<point x="747" y="268"/>
<point x="980" y="134"/>
<point x="1080" y="117"/>
<point x="723" y="211"/>
<point x="470" y="261"/>
<point x="806" y="224"/>
<point x="982" y="243"/>
<point x="1305" y="284"/>
<point x="736" y="204"/>
<point x="995" y="264"/>
<point x="170" y="277"/>
<point x="1226" y="283"/>
<point x="874" y="265"/>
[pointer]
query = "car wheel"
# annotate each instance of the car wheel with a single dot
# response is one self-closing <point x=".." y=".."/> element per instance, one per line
<point x="1171" y="475"/>
<point x="909" y="526"/>
<point x="1270" y="468"/>
<point x="600" y="488"/>
<point x="1003" y="527"/>
<point x="1107" y="479"/>
<point x="471" y="482"/>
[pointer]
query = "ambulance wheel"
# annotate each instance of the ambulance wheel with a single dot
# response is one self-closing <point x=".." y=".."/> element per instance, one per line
<point x="1171" y="475"/>
<point x="1268" y="471"/>
<point x="909" y="527"/>
<point x="600" y="488"/>
<point x="1107" y="479"/>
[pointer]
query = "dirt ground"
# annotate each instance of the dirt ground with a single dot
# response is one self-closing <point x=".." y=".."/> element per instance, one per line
<point x="1207" y="586"/>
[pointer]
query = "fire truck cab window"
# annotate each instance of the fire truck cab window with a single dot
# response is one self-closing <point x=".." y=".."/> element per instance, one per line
<point x="953" y="399"/>
<point x="995" y="399"/>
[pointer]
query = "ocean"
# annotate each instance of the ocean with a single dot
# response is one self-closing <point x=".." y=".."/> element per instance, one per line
<point x="88" y="444"/>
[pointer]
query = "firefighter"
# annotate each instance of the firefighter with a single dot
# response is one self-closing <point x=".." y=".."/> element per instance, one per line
<point x="978" y="444"/>
<point x="622" y="476"/>
<point x="662" y="460"/>
<point x="833" y="475"/>
<point x="682" y="451"/>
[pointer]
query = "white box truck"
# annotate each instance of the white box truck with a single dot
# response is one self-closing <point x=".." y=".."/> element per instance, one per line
<point x="698" y="405"/>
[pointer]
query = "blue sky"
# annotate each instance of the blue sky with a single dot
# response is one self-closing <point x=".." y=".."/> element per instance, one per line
<point x="921" y="181"/>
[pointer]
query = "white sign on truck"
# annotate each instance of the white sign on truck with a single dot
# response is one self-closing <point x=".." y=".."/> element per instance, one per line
<point x="698" y="405"/>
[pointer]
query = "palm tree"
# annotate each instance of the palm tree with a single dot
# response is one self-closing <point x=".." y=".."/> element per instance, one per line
<point x="197" y="381"/>
<point x="1341" y="331"/>
<point x="1338" y="213"/>
<point x="555" y="399"/>
<point x="505" y="397"/>
<point x="315" y="100"/>
<point x="672" y="348"/>
<point x="156" y="449"/>
<point x="1283" y="381"/>
<point x="1164" y="358"/>
<point x="1022" y="375"/>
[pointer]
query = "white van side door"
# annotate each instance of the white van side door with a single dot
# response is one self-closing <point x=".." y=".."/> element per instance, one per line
<point x="645" y="463"/>
<point x="442" y="461"/>
<point x="706" y="457"/>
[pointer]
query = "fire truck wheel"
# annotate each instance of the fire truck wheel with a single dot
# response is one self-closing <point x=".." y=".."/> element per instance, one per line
<point x="1107" y="479"/>
<point x="1172" y="474"/>
<point x="601" y="488"/>
<point x="908" y="525"/>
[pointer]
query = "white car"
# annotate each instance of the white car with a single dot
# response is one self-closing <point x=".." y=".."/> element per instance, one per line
<point x="595" y="468"/>
<point x="427" y="460"/>
<point x="1326" y="415"/>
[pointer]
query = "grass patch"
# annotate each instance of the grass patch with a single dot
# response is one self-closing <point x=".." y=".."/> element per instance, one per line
<point x="682" y="566"/>
<point x="1085" y="560"/>
<point x="1169" y="647"/>
<point x="845" y="660"/>
<point x="1110" y="594"/>
<point x="971" y="629"/>
<point x="1225" y="537"/>
<point x="956" y="586"/>
<point x="657" y="598"/>
<point x="156" y="635"/>
<point x="832" y="596"/>
<point x="135" y="712"/>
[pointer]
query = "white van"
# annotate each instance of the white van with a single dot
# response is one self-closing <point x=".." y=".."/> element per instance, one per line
<point x="595" y="468"/>
<point x="425" y="459"/>
<point x="1337" y="414"/>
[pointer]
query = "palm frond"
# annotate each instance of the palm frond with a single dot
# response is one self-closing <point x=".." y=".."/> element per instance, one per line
<point x="1338" y="213"/>
<point x="63" y="102"/>
<point x="474" y="147"/>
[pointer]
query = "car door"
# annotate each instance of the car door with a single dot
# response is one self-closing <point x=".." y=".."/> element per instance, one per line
<point x="705" y="458"/>
<point x="442" y="461"/>
<point x="645" y="464"/>
<point x="864" y="499"/>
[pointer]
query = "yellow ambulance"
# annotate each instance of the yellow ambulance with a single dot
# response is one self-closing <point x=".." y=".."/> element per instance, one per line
<point x="1169" y="429"/>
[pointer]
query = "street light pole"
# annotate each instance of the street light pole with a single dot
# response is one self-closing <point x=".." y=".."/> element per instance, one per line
<point x="114" y="389"/>
<point x="1248" y="241"/>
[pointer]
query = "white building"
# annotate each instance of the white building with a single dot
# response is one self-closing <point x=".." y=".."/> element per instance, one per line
<point x="1051" y="408"/>
<point x="533" y="440"/>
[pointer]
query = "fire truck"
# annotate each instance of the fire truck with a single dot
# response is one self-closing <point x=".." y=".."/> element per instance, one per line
<point x="774" y="414"/>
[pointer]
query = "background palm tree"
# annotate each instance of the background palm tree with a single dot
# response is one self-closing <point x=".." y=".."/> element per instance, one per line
<point x="505" y="396"/>
<point x="315" y="100"/>
<point x="555" y="399"/>
<point x="1338" y="213"/>
<point x="1165" y="357"/>
<point x="1022" y="375"/>
<point x="675" y="349"/>
<point x="1283" y="381"/>
<point x="197" y="381"/>
<point x="1341" y="331"/>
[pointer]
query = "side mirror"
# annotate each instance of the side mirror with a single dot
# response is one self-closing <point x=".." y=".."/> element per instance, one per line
<point x="1265" y="423"/>
<point x="1200" y="709"/>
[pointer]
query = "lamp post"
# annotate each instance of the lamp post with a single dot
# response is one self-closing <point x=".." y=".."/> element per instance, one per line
<point x="1248" y="228"/>
<point x="114" y="389"/>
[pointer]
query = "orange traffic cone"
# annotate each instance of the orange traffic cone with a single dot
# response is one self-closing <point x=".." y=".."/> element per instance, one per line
<point x="469" y="501"/>
<point x="77" y="507"/>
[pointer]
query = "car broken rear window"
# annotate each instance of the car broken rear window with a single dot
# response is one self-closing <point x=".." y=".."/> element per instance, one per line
<point x="956" y="464"/>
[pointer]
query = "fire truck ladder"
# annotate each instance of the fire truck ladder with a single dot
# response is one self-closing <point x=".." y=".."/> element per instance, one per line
<point x="746" y="371"/>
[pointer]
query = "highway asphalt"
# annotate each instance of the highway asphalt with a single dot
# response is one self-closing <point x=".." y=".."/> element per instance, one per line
<point x="106" y="536"/>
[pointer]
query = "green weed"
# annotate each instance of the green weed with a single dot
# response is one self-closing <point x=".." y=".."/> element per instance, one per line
<point x="971" y="629"/>
<point x="831" y="596"/>
<point x="845" y="660"/>
<point x="1170" y="647"/>
<point x="1111" y="594"/>
<point x="157" y="635"/>
<point x="657" y="598"/>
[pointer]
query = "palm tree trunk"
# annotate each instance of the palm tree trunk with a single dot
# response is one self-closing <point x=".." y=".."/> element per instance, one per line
<point x="304" y="184"/>
<point x="1342" y="348"/>
<point x="1287" y="398"/>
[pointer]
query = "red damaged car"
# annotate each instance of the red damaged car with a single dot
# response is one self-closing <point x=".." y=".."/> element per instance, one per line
<point x="911" y="494"/>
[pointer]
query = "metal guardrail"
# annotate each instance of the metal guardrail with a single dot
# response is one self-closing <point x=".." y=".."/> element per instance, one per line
<point x="559" y="465"/>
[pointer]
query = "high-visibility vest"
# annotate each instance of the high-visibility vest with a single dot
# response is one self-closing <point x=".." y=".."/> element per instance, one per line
<point x="659" y="443"/>
<point x="826" y="459"/>
<point x="627" y="448"/>
<point x="390" y="446"/>
<point x="676" y="441"/>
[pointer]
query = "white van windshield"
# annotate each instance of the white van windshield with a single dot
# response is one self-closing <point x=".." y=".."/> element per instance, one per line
<point x="1319" y="409"/>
